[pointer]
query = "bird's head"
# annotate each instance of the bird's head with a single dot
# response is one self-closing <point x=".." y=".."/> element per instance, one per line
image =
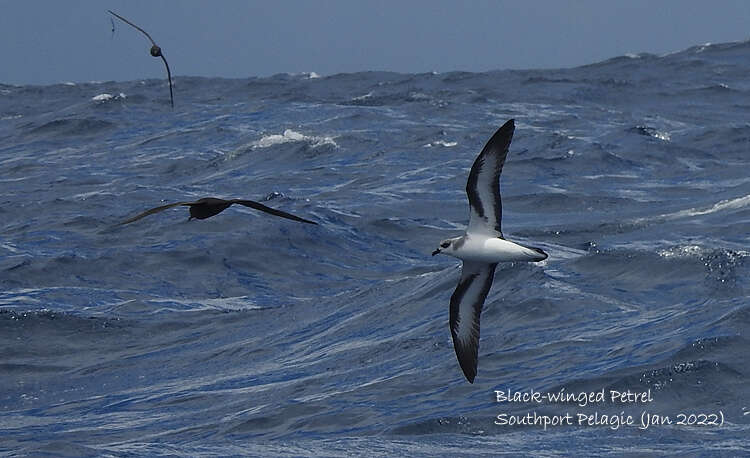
<point x="447" y="246"/>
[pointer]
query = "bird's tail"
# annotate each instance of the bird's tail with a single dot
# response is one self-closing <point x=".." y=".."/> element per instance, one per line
<point x="535" y="254"/>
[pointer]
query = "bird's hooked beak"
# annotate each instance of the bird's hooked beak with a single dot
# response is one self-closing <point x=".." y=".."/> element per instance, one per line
<point x="436" y="252"/>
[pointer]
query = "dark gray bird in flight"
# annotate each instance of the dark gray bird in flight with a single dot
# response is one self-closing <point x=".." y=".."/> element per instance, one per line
<point x="155" y="50"/>
<point x="210" y="206"/>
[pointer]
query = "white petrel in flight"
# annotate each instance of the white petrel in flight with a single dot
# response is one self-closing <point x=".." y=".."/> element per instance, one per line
<point x="481" y="248"/>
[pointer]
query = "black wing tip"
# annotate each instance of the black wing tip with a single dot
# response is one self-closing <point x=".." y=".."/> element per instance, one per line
<point x="271" y="211"/>
<point x="301" y="219"/>
<point x="500" y="140"/>
<point x="467" y="356"/>
<point x="468" y="362"/>
<point x="506" y="129"/>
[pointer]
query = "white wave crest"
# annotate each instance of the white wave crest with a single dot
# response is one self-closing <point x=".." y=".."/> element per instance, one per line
<point x="238" y="303"/>
<point x="291" y="136"/>
<point x="730" y="204"/>
<point x="106" y="97"/>
<point x="700" y="252"/>
<point x="360" y="98"/>
<point x="685" y="251"/>
<point x="441" y="143"/>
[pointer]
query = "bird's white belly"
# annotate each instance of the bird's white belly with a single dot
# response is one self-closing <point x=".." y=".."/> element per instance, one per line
<point x="493" y="249"/>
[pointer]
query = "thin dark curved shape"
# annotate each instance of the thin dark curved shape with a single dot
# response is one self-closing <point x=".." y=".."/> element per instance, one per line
<point x="169" y="77"/>
<point x="133" y="25"/>
<point x="155" y="51"/>
<point x="272" y="211"/>
<point x="210" y="206"/>
<point x="151" y="212"/>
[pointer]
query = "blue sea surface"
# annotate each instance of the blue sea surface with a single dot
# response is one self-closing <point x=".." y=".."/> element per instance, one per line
<point x="248" y="334"/>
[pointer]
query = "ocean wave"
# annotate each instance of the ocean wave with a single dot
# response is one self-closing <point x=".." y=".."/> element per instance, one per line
<point x="73" y="126"/>
<point x="105" y="97"/>
<point x="650" y="132"/>
<point x="290" y="136"/>
<point x="271" y="331"/>
<point x="445" y="143"/>
<point x="723" y="205"/>
<point x="224" y="304"/>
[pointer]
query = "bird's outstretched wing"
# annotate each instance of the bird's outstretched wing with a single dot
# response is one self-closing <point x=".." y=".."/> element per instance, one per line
<point x="210" y="206"/>
<point x="152" y="211"/>
<point x="155" y="50"/>
<point x="466" y="308"/>
<point x="272" y="211"/>
<point x="169" y="78"/>
<point x="132" y="25"/>
<point x="483" y="185"/>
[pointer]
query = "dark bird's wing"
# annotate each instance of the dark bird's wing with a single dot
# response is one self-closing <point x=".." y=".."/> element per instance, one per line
<point x="152" y="211"/>
<point x="132" y="25"/>
<point x="483" y="186"/>
<point x="210" y="206"/>
<point x="155" y="51"/>
<point x="169" y="78"/>
<point x="272" y="211"/>
<point x="466" y="307"/>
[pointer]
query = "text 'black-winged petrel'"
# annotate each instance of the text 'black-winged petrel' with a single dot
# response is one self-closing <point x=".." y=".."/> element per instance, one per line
<point x="481" y="248"/>
<point x="155" y="50"/>
<point x="210" y="206"/>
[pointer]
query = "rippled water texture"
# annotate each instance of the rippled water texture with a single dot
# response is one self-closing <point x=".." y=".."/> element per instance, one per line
<point x="251" y="334"/>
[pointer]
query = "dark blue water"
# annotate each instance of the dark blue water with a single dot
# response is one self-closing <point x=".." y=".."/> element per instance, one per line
<point x="250" y="334"/>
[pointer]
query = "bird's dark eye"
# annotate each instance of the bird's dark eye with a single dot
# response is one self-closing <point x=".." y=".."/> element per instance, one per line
<point x="445" y="244"/>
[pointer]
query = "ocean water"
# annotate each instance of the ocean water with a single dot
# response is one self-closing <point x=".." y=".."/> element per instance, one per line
<point x="247" y="334"/>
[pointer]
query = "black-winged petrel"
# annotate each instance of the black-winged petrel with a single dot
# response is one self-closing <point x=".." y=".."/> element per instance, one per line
<point x="210" y="206"/>
<point x="481" y="248"/>
<point x="155" y="50"/>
